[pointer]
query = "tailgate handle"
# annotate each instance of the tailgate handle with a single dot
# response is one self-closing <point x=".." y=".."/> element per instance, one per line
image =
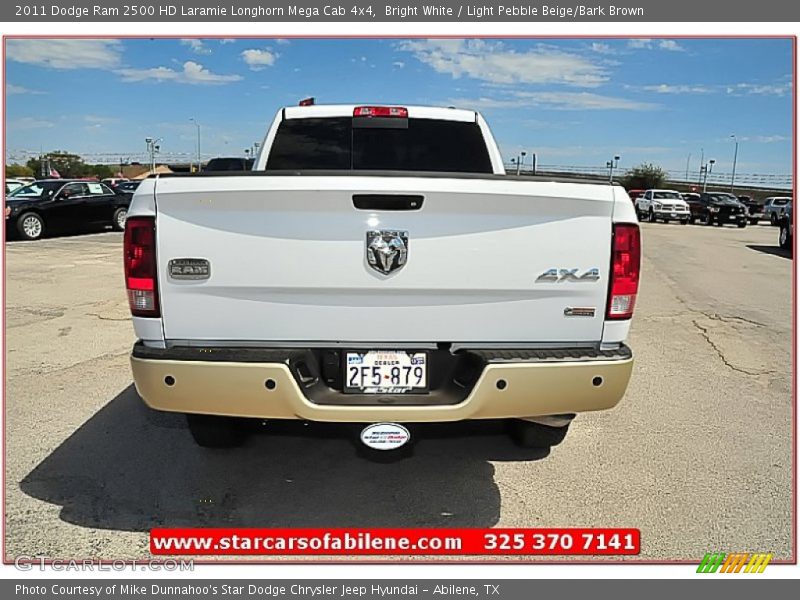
<point x="387" y="202"/>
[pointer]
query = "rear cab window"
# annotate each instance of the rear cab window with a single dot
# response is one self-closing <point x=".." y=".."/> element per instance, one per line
<point x="334" y="143"/>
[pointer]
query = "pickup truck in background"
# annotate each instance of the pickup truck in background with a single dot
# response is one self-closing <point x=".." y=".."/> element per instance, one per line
<point x="662" y="205"/>
<point x="378" y="267"/>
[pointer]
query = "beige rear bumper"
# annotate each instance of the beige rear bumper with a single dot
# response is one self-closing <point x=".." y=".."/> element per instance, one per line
<point x="239" y="389"/>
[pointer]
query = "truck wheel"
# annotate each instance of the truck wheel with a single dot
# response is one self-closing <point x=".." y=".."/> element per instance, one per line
<point x="652" y="216"/>
<point x="118" y="220"/>
<point x="773" y="219"/>
<point x="753" y="221"/>
<point x="216" y="432"/>
<point x="785" y="238"/>
<point x="707" y="219"/>
<point x="535" y="435"/>
<point x="30" y="226"/>
<point x="741" y="224"/>
<point x="684" y="221"/>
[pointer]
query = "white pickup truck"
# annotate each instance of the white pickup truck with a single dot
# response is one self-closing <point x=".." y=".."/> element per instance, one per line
<point x="377" y="266"/>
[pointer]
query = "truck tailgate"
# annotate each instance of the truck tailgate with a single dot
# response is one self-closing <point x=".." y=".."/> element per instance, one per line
<point x="288" y="260"/>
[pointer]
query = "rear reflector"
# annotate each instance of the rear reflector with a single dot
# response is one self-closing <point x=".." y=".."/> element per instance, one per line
<point x="381" y="111"/>
<point x="140" y="266"/>
<point x="626" y="250"/>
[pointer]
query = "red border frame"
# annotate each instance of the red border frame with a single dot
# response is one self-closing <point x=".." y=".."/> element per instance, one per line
<point x="407" y="560"/>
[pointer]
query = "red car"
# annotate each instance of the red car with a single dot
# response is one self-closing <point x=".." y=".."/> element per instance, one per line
<point x="634" y="194"/>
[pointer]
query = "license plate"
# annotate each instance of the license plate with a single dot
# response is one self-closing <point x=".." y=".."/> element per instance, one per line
<point x="385" y="372"/>
<point x="673" y="215"/>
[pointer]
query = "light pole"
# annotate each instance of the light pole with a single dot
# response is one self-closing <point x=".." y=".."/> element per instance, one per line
<point x="688" y="158"/>
<point x="735" y="156"/>
<point x="514" y="162"/>
<point x="702" y="165"/>
<point x="152" y="149"/>
<point x="706" y="170"/>
<point x="193" y="120"/>
<point x="522" y="160"/>
<point x="611" y="165"/>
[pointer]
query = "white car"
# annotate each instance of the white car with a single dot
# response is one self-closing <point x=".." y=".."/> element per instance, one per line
<point x="13" y="184"/>
<point x="662" y="205"/>
<point x="377" y="266"/>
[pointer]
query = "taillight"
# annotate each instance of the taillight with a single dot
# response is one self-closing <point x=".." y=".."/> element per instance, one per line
<point x="626" y="248"/>
<point x="381" y="111"/>
<point x="140" y="266"/>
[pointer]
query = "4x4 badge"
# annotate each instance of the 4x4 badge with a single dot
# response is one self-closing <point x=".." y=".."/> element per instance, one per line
<point x="568" y="275"/>
<point x="387" y="250"/>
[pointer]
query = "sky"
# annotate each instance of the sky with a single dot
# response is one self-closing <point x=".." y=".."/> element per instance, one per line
<point x="571" y="101"/>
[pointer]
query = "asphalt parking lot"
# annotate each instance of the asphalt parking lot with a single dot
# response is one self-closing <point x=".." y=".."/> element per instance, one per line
<point x="698" y="454"/>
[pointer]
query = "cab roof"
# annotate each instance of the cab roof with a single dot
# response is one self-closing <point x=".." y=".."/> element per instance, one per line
<point x="346" y="110"/>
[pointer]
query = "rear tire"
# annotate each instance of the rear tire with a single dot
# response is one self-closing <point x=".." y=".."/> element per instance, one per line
<point x="785" y="239"/>
<point x="526" y="434"/>
<point x="652" y="216"/>
<point x="30" y="226"/>
<point x="118" y="220"/>
<point x="216" y="432"/>
<point x="773" y="219"/>
<point x="707" y="219"/>
<point x="741" y="224"/>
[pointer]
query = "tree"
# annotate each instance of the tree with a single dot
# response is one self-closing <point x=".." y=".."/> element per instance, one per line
<point x="644" y="177"/>
<point x="15" y="170"/>
<point x="66" y="163"/>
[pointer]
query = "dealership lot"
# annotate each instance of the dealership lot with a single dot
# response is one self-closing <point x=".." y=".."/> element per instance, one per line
<point x="697" y="456"/>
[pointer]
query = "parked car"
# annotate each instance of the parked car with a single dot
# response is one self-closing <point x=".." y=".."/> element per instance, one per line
<point x="662" y="205"/>
<point x="635" y="194"/>
<point x="787" y="228"/>
<point x="126" y="187"/>
<point x="64" y="205"/>
<point x="229" y="164"/>
<point x="774" y="207"/>
<point x="383" y="264"/>
<point x="113" y="182"/>
<point x="717" y="208"/>
<point x="755" y="210"/>
<point x="13" y="184"/>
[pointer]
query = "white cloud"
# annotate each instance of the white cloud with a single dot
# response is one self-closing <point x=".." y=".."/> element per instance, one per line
<point x="282" y="41"/>
<point x="100" y="120"/>
<point x="196" y="46"/>
<point x="12" y="89"/>
<point x="224" y="41"/>
<point x="733" y="89"/>
<point x="399" y="64"/>
<point x="649" y="44"/>
<point x="192" y="73"/>
<point x="760" y="139"/>
<point x="639" y="43"/>
<point x="665" y="88"/>
<point x="66" y="54"/>
<point x="760" y="89"/>
<point x="259" y="59"/>
<point x="671" y="45"/>
<point x="559" y="101"/>
<point x="29" y="123"/>
<point x="601" y="48"/>
<point x="493" y="62"/>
